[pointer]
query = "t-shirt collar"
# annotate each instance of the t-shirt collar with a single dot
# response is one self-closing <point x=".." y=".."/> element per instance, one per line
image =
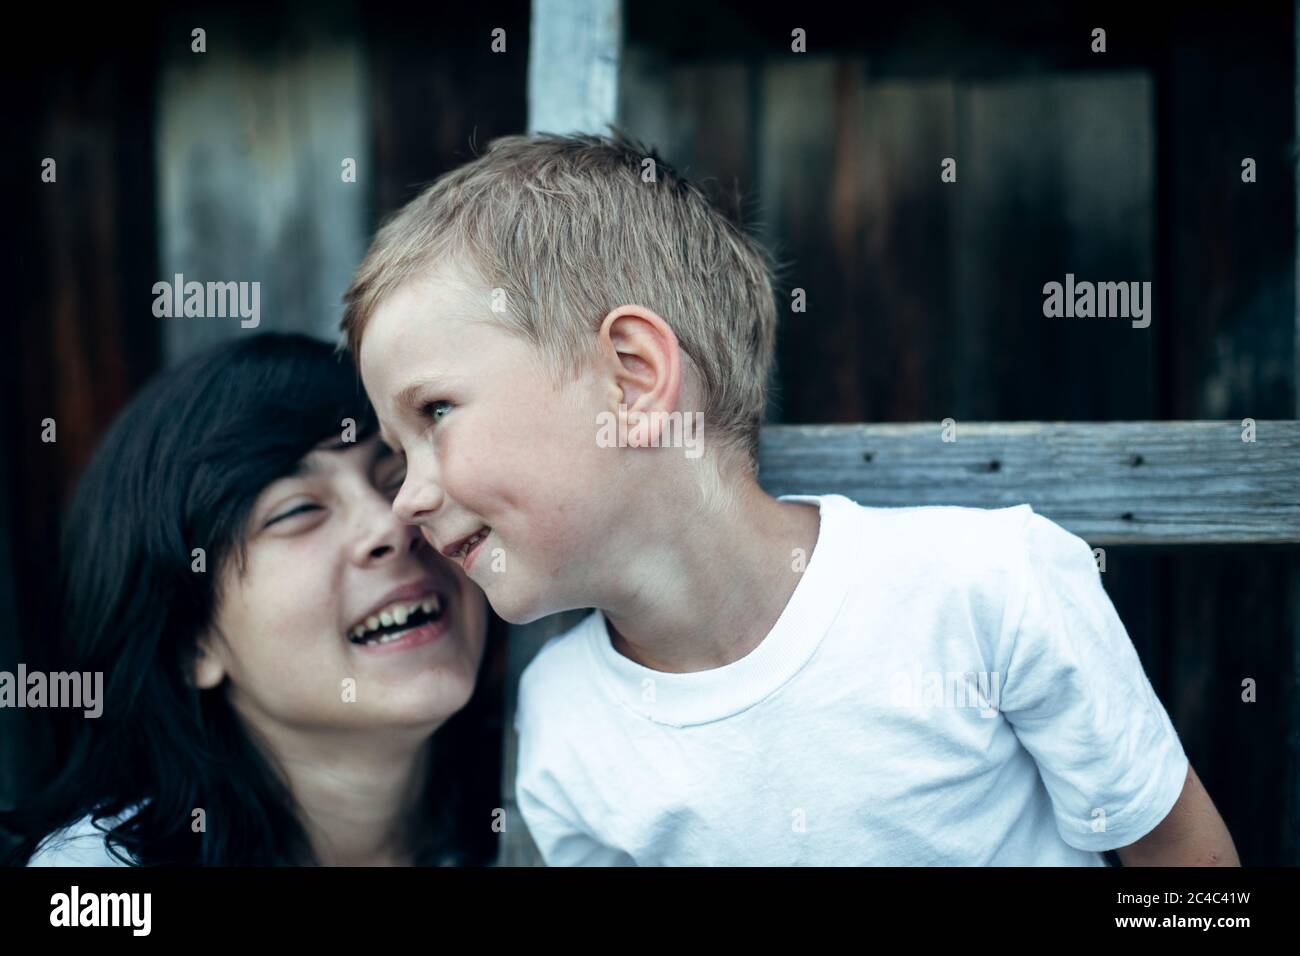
<point x="704" y="696"/>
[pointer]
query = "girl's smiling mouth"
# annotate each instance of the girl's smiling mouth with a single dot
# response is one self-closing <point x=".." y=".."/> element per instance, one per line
<point x="402" y="623"/>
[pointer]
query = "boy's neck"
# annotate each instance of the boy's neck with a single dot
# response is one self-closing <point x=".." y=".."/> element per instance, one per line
<point x="719" y="584"/>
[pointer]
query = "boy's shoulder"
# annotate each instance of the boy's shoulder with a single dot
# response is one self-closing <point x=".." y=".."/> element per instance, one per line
<point x="950" y="540"/>
<point x="991" y="557"/>
<point x="951" y="524"/>
<point x="991" y="561"/>
<point x="559" y="669"/>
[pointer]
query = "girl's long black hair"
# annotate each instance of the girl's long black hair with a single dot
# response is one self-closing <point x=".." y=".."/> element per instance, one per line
<point x="180" y="470"/>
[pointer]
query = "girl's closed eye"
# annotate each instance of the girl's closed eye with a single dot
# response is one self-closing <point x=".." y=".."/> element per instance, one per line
<point x="391" y="482"/>
<point x="285" y="514"/>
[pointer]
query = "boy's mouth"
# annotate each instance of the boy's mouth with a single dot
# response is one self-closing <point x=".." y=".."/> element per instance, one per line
<point x="461" y="548"/>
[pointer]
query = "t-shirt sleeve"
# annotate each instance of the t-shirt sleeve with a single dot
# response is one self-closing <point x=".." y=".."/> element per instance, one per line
<point x="1078" y="699"/>
<point x="551" y="816"/>
<point x="560" y="841"/>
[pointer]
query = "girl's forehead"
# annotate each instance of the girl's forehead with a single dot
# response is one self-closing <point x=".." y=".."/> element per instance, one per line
<point x="343" y="449"/>
<point x="339" y="453"/>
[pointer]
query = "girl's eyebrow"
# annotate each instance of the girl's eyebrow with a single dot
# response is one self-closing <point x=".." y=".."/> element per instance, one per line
<point x="306" y="465"/>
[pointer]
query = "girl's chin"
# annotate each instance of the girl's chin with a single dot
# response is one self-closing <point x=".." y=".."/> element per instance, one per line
<point x="411" y="721"/>
<point x="415" y="697"/>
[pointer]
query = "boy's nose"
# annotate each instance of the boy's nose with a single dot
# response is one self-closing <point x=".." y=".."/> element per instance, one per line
<point x="416" y="501"/>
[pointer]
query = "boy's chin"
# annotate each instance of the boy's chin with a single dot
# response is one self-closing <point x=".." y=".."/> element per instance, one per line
<point x="520" y="616"/>
<point x="519" y="609"/>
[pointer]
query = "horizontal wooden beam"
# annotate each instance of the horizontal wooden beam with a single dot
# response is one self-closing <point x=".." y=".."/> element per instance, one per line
<point x="1110" y="482"/>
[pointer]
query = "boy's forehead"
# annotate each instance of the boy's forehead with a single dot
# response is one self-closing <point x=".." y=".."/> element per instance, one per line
<point x="426" y="308"/>
<point x="448" y="287"/>
<point x="411" y="333"/>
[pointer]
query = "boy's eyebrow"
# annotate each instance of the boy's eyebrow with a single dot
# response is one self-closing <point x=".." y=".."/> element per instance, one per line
<point x="406" y="397"/>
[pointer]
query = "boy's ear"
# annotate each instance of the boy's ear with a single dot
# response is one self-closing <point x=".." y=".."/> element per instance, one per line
<point x="644" y="362"/>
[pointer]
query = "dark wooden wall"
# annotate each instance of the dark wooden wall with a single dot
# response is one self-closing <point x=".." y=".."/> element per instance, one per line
<point x="925" y="298"/>
<point x="144" y="134"/>
<point x="80" y="257"/>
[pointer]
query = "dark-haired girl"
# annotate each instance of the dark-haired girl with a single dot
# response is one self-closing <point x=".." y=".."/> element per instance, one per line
<point x="282" y="658"/>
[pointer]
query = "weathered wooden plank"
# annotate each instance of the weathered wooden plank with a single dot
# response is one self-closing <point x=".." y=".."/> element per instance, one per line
<point x="1110" y="483"/>
<point x="438" y="93"/>
<point x="1224" y="285"/>
<point x="573" y="59"/>
<point x="572" y="87"/>
<point x="694" y="115"/>
<point x="81" y="336"/>
<point x="1291" y="784"/>
<point x="795" y="162"/>
<point x="896" y="228"/>
<point x="1054" y="177"/>
<point x="251" y="144"/>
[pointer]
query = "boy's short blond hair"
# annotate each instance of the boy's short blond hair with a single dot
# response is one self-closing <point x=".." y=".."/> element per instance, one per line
<point x="570" y="227"/>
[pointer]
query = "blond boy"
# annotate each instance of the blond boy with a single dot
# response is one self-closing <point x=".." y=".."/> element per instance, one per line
<point x="763" y="681"/>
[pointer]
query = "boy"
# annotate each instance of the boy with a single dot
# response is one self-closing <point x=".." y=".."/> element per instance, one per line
<point x="763" y="681"/>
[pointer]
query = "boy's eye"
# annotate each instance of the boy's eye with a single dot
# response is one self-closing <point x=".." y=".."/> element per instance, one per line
<point x="437" y="410"/>
<point x="300" y="509"/>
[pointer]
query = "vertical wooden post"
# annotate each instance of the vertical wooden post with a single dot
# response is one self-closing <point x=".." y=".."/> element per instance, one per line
<point x="1291" y="853"/>
<point x="251" y="147"/>
<point x="572" y="88"/>
<point x="573" y="61"/>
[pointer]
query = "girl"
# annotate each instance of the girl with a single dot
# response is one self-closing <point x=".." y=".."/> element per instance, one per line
<point x="282" y="658"/>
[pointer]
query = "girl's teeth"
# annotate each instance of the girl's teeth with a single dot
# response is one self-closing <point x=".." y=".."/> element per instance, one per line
<point x="397" y="615"/>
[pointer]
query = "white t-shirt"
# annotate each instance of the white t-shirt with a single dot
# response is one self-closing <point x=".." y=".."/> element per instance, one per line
<point x="82" y="844"/>
<point x="851" y="734"/>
